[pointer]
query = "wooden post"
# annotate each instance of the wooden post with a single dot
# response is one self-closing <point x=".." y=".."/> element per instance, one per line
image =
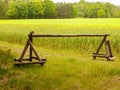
<point x="31" y="40"/>
<point x="34" y="50"/>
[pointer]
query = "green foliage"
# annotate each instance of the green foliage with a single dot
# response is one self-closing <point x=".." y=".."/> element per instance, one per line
<point x="93" y="10"/>
<point x="117" y="14"/>
<point x="32" y="9"/>
<point x="22" y="10"/>
<point x="12" y="12"/>
<point x="49" y="9"/>
<point x="35" y="9"/>
<point x="101" y="14"/>
<point x="3" y="9"/>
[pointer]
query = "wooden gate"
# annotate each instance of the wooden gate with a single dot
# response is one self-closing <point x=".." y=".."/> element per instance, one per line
<point x="21" y="61"/>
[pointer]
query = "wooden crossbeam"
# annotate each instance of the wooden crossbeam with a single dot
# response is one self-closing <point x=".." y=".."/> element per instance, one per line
<point x="100" y="55"/>
<point x="25" y="63"/>
<point x="69" y="35"/>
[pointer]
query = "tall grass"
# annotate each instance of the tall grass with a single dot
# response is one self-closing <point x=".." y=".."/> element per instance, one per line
<point x="64" y="70"/>
<point x="16" y="31"/>
<point x="6" y="61"/>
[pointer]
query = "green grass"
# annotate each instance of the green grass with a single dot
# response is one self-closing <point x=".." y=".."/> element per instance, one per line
<point x="62" y="71"/>
<point x="69" y="63"/>
<point x="16" y="31"/>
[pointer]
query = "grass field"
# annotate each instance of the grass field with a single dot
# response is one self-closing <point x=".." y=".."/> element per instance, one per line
<point x="16" y="31"/>
<point x="69" y="65"/>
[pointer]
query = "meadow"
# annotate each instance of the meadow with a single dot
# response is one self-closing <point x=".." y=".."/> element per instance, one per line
<point x="16" y="31"/>
<point x="70" y="65"/>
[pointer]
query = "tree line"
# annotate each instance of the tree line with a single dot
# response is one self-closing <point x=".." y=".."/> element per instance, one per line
<point x="37" y="9"/>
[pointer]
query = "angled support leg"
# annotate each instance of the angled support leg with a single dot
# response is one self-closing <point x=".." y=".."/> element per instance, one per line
<point x="42" y="61"/>
<point x="107" y="50"/>
<point x="111" y="57"/>
<point x="23" y="52"/>
<point x="97" y="52"/>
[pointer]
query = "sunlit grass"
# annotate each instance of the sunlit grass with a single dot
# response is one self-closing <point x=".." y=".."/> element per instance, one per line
<point x="69" y="65"/>
<point x="64" y="70"/>
<point x="16" y="31"/>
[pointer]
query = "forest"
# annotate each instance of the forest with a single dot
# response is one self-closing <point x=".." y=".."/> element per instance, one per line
<point x="40" y="9"/>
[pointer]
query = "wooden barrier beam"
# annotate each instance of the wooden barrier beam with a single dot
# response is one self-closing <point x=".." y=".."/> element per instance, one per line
<point x="70" y="35"/>
<point x="29" y="44"/>
<point x="25" y="63"/>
